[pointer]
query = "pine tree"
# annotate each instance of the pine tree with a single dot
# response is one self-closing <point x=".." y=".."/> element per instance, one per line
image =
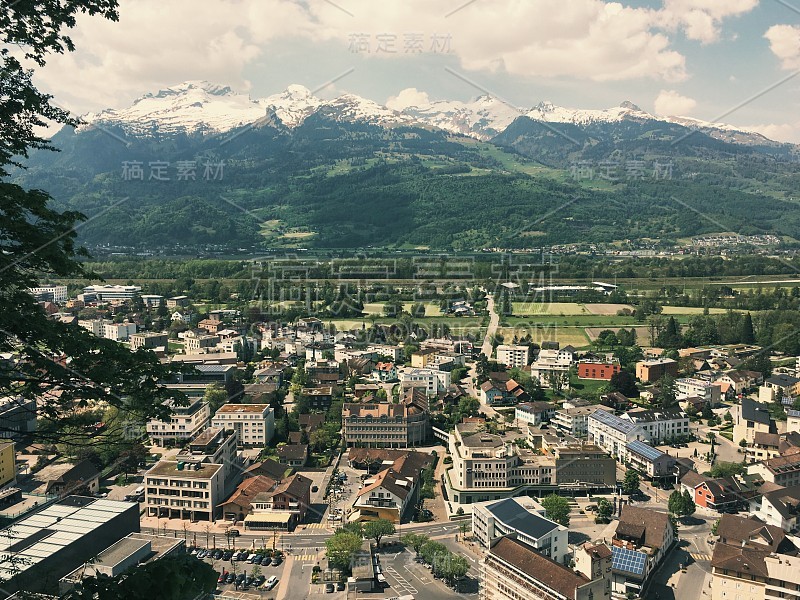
<point x="748" y="336"/>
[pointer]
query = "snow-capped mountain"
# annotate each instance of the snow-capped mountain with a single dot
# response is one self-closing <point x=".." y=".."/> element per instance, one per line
<point x="203" y="107"/>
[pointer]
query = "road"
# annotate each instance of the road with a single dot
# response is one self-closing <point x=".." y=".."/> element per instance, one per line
<point x="494" y="322"/>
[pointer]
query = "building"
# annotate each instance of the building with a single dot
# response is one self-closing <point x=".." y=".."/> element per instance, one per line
<point x="198" y="342"/>
<point x="184" y="490"/>
<point x="119" y="332"/>
<point x="50" y="293"/>
<point x="293" y="455"/>
<point x="652" y="370"/>
<point x="721" y="494"/>
<point x="433" y="380"/>
<point x="753" y="560"/>
<point x="240" y="502"/>
<point x="598" y="370"/>
<point x="513" y="356"/>
<point x="778" y="507"/>
<point x="149" y="340"/>
<point x="128" y="553"/>
<point x="254" y="423"/>
<point x="17" y="416"/>
<point x="178" y="302"/>
<point x="283" y="507"/>
<point x="421" y="358"/>
<point x="708" y="391"/>
<point x="386" y="424"/>
<point x="584" y="467"/>
<point x="104" y="293"/>
<point x="209" y="373"/>
<point x="781" y="470"/>
<point x="8" y="462"/>
<point x="783" y="385"/>
<point x="652" y="426"/>
<point x="512" y="570"/>
<point x="575" y="421"/>
<point x="185" y="423"/>
<point x="527" y="520"/>
<point x="650" y="461"/>
<point x="751" y="418"/>
<point x="319" y="398"/>
<point x="82" y="478"/>
<point x="642" y="539"/>
<point x="387" y="495"/>
<point x="59" y="538"/>
<point x="500" y="389"/>
<point x="534" y="413"/>
<point x="552" y="363"/>
<point x="216" y="446"/>
<point x="384" y="372"/>
<point x="152" y="300"/>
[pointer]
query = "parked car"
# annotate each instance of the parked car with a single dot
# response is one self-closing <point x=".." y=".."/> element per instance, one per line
<point x="329" y="589"/>
<point x="270" y="583"/>
<point x="276" y="560"/>
<point x="259" y="581"/>
<point x="340" y="586"/>
<point x="222" y="576"/>
<point x="251" y="558"/>
<point x="314" y="488"/>
<point x="227" y="555"/>
<point x="257" y="560"/>
<point x="233" y="533"/>
<point x="230" y="578"/>
<point x="248" y="581"/>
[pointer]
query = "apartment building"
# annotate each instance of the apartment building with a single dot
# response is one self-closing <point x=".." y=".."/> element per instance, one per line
<point x="198" y="342"/>
<point x="551" y="363"/>
<point x="641" y="541"/>
<point x="180" y="489"/>
<point x="254" y="424"/>
<point x="652" y="370"/>
<point x="750" y="419"/>
<point x="104" y="293"/>
<point x="692" y="387"/>
<point x="781" y="470"/>
<point x="651" y="461"/>
<point x="149" y="340"/>
<point x="215" y="446"/>
<point x="434" y="381"/>
<point x="614" y="433"/>
<point x="17" y="415"/>
<point x="527" y="520"/>
<point x="185" y="423"/>
<point x="385" y="424"/>
<point x="119" y="332"/>
<point x="50" y="293"/>
<point x="513" y="356"/>
<point x="8" y="462"/>
<point x="575" y="421"/>
<point x="512" y="570"/>
<point x="584" y="466"/>
<point x="600" y="370"/>
<point x="534" y="413"/>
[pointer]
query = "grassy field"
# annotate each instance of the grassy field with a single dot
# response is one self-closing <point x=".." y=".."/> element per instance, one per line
<point x="688" y="310"/>
<point x="574" y="336"/>
<point x="548" y="308"/>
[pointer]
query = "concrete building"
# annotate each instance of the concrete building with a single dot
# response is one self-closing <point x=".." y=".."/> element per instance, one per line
<point x="254" y="423"/>
<point x="185" y="423"/>
<point x="104" y="293"/>
<point x="652" y="426"/>
<point x="654" y="463"/>
<point x="434" y="381"/>
<point x="47" y="544"/>
<point x="527" y="520"/>
<point x="149" y="340"/>
<point x="652" y="370"/>
<point x="575" y="421"/>
<point x="584" y="467"/>
<point x="778" y="507"/>
<point x="17" y="416"/>
<point x="535" y="413"/>
<point x="152" y="300"/>
<point x="199" y="342"/>
<point x="513" y="356"/>
<point x="750" y="419"/>
<point x="8" y="462"/>
<point x="216" y="446"/>
<point x="385" y="424"/>
<point x="700" y="388"/>
<point x="513" y="570"/>
<point x="119" y="332"/>
<point x="598" y="369"/>
<point x="184" y="490"/>
<point x="50" y="293"/>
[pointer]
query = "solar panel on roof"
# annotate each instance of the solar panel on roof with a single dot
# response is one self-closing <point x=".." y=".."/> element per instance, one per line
<point x="613" y="421"/>
<point x="644" y="450"/>
<point x="629" y="561"/>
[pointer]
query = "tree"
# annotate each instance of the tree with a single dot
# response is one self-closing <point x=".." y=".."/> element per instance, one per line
<point x="557" y="509"/>
<point x="715" y="527"/>
<point x="38" y="243"/>
<point x="631" y="482"/>
<point x="667" y="395"/>
<point x="415" y="540"/>
<point x="377" y="529"/>
<point x="689" y="507"/>
<point x="604" y="510"/>
<point x="748" y="335"/>
<point x="340" y="549"/>
<point x="624" y="383"/>
<point x="216" y="396"/>
<point x="675" y="503"/>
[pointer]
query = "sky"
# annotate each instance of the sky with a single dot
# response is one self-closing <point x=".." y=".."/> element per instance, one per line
<point x="732" y="61"/>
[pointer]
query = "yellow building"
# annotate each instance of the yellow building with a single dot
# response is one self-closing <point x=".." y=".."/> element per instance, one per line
<point x="8" y="462"/>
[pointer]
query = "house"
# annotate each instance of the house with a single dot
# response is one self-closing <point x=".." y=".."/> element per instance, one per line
<point x="753" y="560"/>
<point x="319" y="398"/>
<point x="527" y="520"/>
<point x="512" y="570"/>
<point x="782" y="470"/>
<point x="779" y="507"/>
<point x="765" y="446"/>
<point x="641" y="541"/>
<point x="384" y="372"/>
<point x="534" y="413"/>
<point x="721" y="494"/>
<point x="783" y="385"/>
<point x="82" y="478"/>
<point x="240" y="503"/>
<point x="497" y="390"/>
<point x="283" y="507"/>
<point x="293" y="455"/>
<point x="310" y="421"/>
<point x="268" y="468"/>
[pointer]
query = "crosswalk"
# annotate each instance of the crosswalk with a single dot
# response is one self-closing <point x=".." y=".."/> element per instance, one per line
<point x="316" y="526"/>
<point x="306" y="557"/>
<point x="401" y="582"/>
<point x="700" y="556"/>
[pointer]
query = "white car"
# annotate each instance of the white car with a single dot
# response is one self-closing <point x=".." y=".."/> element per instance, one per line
<point x="270" y="583"/>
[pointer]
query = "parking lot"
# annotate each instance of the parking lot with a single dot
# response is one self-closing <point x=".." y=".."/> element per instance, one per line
<point x="243" y="570"/>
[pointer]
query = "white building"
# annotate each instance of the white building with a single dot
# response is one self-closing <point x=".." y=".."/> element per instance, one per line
<point x="112" y="292"/>
<point x="254" y="423"/>
<point x="575" y="421"/>
<point x="549" y="362"/>
<point x="185" y="423"/>
<point x="433" y="380"/>
<point x="691" y="387"/>
<point x="119" y="332"/>
<point x="613" y="433"/>
<point x="52" y="293"/>
<point x="513" y="356"/>
<point x="184" y="490"/>
<point x="525" y="518"/>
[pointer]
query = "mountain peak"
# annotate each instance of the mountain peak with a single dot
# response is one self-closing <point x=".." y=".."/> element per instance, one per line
<point x="297" y="92"/>
<point x="630" y="106"/>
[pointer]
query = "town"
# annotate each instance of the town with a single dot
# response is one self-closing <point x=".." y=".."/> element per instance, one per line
<point x="304" y="457"/>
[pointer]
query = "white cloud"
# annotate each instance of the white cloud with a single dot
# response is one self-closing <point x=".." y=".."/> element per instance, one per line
<point x="406" y="98"/>
<point x="784" y="41"/>
<point x="780" y="132"/>
<point x="701" y="20"/>
<point x="670" y="103"/>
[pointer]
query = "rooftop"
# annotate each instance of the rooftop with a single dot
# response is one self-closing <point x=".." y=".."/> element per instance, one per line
<point x="511" y="512"/>
<point x="169" y="468"/>
<point x="243" y="408"/>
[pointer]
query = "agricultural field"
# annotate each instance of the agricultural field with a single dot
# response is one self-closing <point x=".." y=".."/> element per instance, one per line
<point x="574" y="336"/>
<point x="548" y="308"/>
<point x="689" y="310"/>
<point x="376" y="308"/>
